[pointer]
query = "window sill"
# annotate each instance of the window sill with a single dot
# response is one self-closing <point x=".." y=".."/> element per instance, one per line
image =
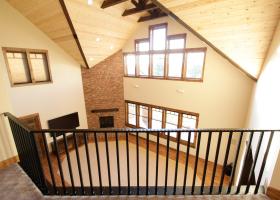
<point x="166" y="78"/>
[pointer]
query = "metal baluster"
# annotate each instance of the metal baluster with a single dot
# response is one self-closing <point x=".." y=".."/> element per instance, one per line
<point x="196" y="161"/>
<point x="225" y="162"/>
<point x="49" y="162"/>
<point x="235" y="162"/>
<point x="108" y="162"/>
<point x="177" y="160"/>
<point x="137" y="161"/>
<point x="264" y="162"/>
<point x="118" y="162"/>
<point x="254" y="163"/>
<point x="156" y="184"/>
<point x="88" y="162"/>
<point x="216" y="161"/>
<point x="166" y="164"/>
<point x="246" y="157"/>
<point x="98" y="163"/>
<point x="127" y="162"/>
<point x="78" y="162"/>
<point x="147" y="163"/>
<point x="187" y="163"/>
<point x="206" y="162"/>
<point x="69" y="162"/>
<point x="59" y="162"/>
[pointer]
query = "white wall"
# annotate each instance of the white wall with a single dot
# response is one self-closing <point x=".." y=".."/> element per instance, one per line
<point x="221" y="100"/>
<point x="63" y="96"/>
<point x="265" y="107"/>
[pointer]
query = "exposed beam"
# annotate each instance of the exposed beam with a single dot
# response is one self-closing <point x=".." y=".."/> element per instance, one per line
<point x="132" y="11"/>
<point x="67" y="16"/>
<point x="176" y="18"/>
<point x="109" y="3"/>
<point x="152" y="16"/>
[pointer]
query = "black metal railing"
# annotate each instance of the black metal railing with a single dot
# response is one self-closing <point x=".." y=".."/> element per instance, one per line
<point x="100" y="161"/>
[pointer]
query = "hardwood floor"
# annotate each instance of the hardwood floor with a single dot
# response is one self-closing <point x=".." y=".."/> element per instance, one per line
<point x="142" y="145"/>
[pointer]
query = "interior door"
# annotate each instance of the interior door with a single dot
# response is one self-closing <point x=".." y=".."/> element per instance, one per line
<point x="33" y="122"/>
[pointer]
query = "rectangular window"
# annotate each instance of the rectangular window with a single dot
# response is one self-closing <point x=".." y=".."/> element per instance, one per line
<point x="177" y="41"/>
<point x="157" y="118"/>
<point x="131" y="114"/>
<point x="40" y="67"/>
<point x="144" y="62"/>
<point x="163" y="56"/>
<point x="189" y="122"/>
<point x="158" y="36"/>
<point x="158" y="65"/>
<point x="143" y="116"/>
<point x="27" y="66"/>
<point x="142" y="45"/>
<point x="195" y="64"/>
<point x="130" y="64"/>
<point x="175" y="65"/>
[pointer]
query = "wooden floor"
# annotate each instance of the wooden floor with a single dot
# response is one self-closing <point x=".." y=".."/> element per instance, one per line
<point x="142" y="145"/>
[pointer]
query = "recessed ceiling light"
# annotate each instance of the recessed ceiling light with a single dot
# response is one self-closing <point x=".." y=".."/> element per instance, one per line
<point x="90" y="2"/>
<point x="111" y="47"/>
<point x="91" y="59"/>
<point x="97" y="39"/>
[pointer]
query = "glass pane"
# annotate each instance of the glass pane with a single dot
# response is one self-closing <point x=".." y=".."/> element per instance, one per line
<point x="172" y="122"/>
<point x="175" y="63"/>
<point x="184" y="136"/>
<point x="144" y="65"/>
<point x="132" y="114"/>
<point x="159" y="38"/>
<point x="40" y="67"/>
<point x="176" y="43"/>
<point x="143" y="46"/>
<point x="188" y="121"/>
<point x="157" y="118"/>
<point x="143" y="117"/>
<point x="130" y="64"/>
<point x="19" y="69"/>
<point x="158" y="64"/>
<point x="195" y="62"/>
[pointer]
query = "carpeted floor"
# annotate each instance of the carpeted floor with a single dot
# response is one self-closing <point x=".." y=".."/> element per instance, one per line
<point x="15" y="184"/>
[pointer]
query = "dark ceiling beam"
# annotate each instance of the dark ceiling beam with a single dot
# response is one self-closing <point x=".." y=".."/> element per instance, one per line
<point x="154" y="15"/>
<point x="180" y="21"/>
<point x="67" y="16"/>
<point x="109" y="3"/>
<point x="139" y="9"/>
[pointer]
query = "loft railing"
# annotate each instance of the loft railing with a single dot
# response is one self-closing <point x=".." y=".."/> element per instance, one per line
<point x="67" y="173"/>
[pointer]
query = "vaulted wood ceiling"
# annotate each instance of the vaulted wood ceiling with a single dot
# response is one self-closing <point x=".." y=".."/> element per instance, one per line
<point x="242" y="29"/>
<point x="49" y="17"/>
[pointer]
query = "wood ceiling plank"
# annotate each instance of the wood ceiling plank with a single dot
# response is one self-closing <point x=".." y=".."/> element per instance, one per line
<point x="232" y="26"/>
<point x="48" y="16"/>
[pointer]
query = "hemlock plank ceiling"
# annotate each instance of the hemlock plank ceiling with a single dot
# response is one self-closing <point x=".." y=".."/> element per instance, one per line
<point x="102" y="32"/>
<point x="241" y="29"/>
<point x="48" y="16"/>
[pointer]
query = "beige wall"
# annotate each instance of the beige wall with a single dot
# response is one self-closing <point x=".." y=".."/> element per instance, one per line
<point x="63" y="96"/>
<point x="221" y="100"/>
<point x="265" y="108"/>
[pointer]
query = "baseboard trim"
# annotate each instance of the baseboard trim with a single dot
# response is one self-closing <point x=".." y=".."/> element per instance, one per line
<point x="8" y="162"/>
<point x="273" y="193"/>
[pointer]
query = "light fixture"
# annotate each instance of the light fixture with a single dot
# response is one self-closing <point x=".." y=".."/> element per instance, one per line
<point x="90" y="2"/>
<point x="97" y="39"/>
<point x="112" y="47"/>
<point x="91" y="59"/>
